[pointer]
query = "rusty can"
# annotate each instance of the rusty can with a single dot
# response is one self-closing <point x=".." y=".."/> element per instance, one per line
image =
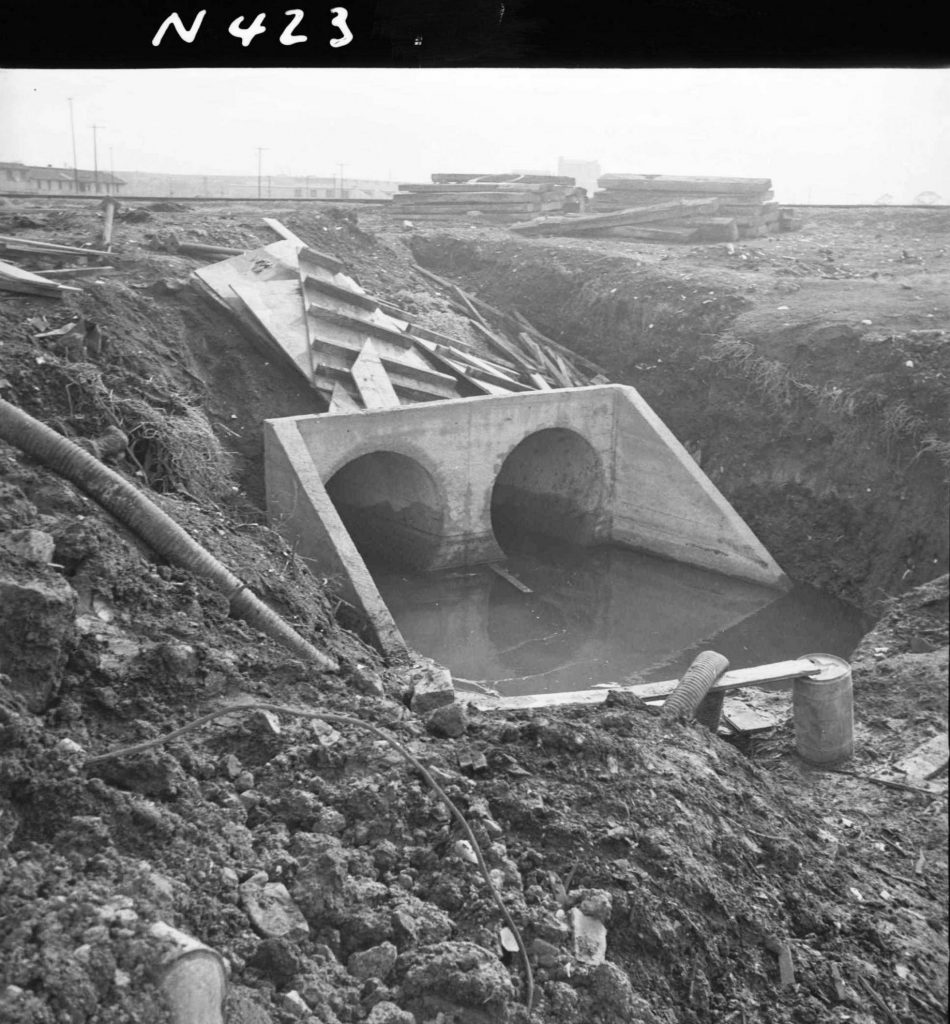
<point x="823" y="706"/>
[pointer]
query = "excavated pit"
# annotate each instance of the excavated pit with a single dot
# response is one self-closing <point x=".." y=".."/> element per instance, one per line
<point x="816" y="405"/>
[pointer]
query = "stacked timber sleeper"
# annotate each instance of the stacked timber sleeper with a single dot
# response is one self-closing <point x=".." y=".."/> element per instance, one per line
<point x="748" y="203"/>
<point x="500" y="198"/>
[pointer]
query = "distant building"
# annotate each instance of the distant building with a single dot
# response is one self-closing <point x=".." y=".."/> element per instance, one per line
<point x="19" y="177"/>
<point x="584" y="172"/>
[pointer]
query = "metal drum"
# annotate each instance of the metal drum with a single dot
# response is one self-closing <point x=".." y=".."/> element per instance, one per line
<point x="824" y="711"/>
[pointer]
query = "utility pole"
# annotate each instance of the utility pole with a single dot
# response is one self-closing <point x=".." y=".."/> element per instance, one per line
<point x="341" y="166"/>
<point x="260" y="150"/>
<point x="95" y="156"/>
<point x="72" y="132"/>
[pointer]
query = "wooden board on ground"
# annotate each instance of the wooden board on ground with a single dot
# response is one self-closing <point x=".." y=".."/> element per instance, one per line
<point x="734" y="679"/>
<point x="24" y="282"/>
<point x="284" y="232"/>
<point x="928" y="759"/>
<point x="33" y="243"/>
<point x="308" y="258"/>
<point x="372" y="381"/>
<point x="78" y="272"/>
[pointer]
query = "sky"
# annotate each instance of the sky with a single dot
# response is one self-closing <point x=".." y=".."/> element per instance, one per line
<point x="822" y="135"/>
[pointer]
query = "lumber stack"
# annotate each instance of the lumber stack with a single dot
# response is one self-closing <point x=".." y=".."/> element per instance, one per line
<point x="499" y="198"/>
<point x="672" y="221"/>
<point x="749" y="202"/>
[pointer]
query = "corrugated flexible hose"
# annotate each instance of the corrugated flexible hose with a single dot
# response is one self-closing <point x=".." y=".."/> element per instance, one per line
<point x="691" y="690"/>
<point x="148" y="521"/>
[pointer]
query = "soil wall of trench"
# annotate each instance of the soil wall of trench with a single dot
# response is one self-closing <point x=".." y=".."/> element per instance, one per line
<point x="824" y="433"/>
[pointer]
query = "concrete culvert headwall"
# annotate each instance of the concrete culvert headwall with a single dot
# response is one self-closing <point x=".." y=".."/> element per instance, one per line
<point x="551" y="483"/>
<point x="391" y="507"/>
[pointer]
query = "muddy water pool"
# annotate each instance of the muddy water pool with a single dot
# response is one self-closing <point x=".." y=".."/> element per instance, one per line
<point x="604" y="614"/>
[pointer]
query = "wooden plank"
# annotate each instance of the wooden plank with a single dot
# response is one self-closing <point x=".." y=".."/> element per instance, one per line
<point x="534" y="179"/>
<point x="372" y="381"/>
<point x="508" y="578"/>
<point x="462" y="198"/>
<point x="480" y="383"/>
<point x="513" y="211"/>
<point x="927" y="760"/>
<point x="760" y="675"/>
<point x="342" y="402"/>
<point x="332" y="365"/>
<point x="440" y="385"/>
<point x="51" y="246"/>
<point x="645" y="234"/>
<point x="24" y="282"/>
<point x="540" y="382"/>
<point x="729" y="209"/>
<point x="284" y="232"/>
<point x="420" y="333"/>
<point x="358" y="324"/>
<point x="360" y="299"/>
<point x="308" y="256"/>
<point x="77" y="272"/>
<point x="486" y="186"/>
<point x="486" y="366"/>
<point x="620" y="198"/>
<point x="545" y="361"/>
<point x="504" y="346"/>
<point x="674" y="183"/>
<point x="587" y="223"/>
<point x="574" y="357"/>
<point x="454" y="360"/>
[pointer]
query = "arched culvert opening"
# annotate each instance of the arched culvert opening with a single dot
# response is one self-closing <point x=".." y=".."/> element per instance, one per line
<point x="551" y="484"/>
<point x="391" y="507"/>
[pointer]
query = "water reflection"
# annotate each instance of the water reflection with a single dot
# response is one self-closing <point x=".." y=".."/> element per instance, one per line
<point x="604" y="614"/>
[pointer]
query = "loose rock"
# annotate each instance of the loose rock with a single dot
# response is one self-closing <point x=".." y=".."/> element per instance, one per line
<point x="272" y="911"/>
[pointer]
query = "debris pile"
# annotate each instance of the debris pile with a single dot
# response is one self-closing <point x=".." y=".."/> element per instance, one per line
<point x="499" y="198"/>
<point x="360" y="352"/>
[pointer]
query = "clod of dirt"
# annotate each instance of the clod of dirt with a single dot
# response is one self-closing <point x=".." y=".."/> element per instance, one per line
<point x="459" y="979"/>
<point x="37" y="630"/>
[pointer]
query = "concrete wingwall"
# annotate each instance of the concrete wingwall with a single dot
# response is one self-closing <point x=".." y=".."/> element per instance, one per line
<point x="438" y="479"/>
